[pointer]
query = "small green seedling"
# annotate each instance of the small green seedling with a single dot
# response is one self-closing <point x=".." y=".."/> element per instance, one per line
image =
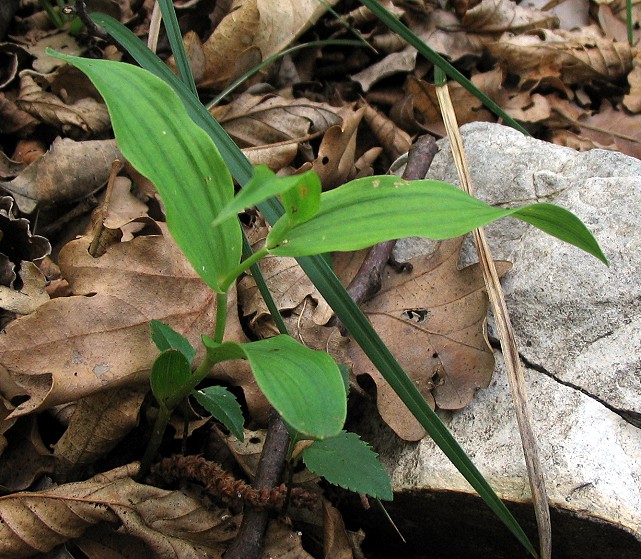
<point x="155" y="133"/>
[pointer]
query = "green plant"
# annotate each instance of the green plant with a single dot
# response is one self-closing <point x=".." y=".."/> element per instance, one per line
<point x="183" y="162"/>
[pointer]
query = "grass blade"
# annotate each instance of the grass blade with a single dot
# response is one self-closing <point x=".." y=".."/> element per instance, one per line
<point x="327" y="283"/>
<point x="435" y="58"/>
<point x="176" y="41"/>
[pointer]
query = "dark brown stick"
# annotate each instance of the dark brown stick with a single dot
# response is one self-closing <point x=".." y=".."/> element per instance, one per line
<point x="249" y="541"/>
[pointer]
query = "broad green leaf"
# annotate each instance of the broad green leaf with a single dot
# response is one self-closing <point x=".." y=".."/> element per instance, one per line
<point x="223" y="406"/>
<point x="155" y="133"/>
<point x="367" y="211"/>
<point x="304" y="386"/>
<point x="265" y="184"/>
<point x="349" y="462"/>
<point x="165" y="337"/>
<point x="168" y="373"/>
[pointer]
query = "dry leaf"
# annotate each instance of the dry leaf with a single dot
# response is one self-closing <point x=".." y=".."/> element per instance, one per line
<point x="433" y="321"/>
<point x="26" y="458"/>
<point x="252" y="31"/>
<point x="498" y="16"/>
<point x="612" y="129"/>
<point x="73" y="347"/>
<point x="98" y="423"/>
<point x="79" y="119"/>
<point x="393" y="139"/>
<point x="32" y="293"/>
<point x="59" y="41"/>
<point x="67" y="172"/>
<point x="392" y="64"/>
<point x="14" y="120"/>
<point x="632" y="101"/>
<point x="335" y="161"/>
<point x="169" y="523"/>
<point x="572" y="56"/>
<point x="468" y="107"/>
<point x="273" y="126"/>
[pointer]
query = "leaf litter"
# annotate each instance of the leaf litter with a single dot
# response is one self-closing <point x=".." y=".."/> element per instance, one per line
<point x="81" y="358"/>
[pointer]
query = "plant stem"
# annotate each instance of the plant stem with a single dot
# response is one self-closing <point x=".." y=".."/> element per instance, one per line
<point x="162" y="419"/>
<point x="244" y="265"/>
<point x="221" y="317"/>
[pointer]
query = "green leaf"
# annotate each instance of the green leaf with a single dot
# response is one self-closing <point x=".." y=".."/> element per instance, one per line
<point x="155" y="133"/>
<point x="165" y="337"/>
<point x="321" y="274"/>
<point x="264" y="184"/>
<point x="168" y="373"/>
<point x="304" y="386"/>
<point x="349" y="462"/>
<point x="367" y="211"/>
<point x="224" y="407"/>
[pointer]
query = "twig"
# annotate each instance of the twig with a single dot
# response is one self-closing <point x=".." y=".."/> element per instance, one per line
<point x="249" y="541"/>
<point x="80" y="9"/>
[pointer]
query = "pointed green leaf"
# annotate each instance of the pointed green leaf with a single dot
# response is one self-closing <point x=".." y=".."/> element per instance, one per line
<point x="367" y="211"/>
<point x="264" y="184"/>
<point x="304" y="386"/>
<point x="223" y="406"/>
<point x="165" y="337"/>
<point x="349" y="462"/>
<point x="155" y="133"/>
<point x="168" y="373"/>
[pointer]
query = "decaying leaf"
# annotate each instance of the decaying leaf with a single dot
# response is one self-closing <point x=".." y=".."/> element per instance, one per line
<point x="168" y="523"/>
<point x="269" y="128"/>
<point x="265" y="27"/>
<point x="498" y="16"/>
<point x="572" y="56"/>
<point x="393" y="63"/>
<point x="423" y="95"/>
<point x="612" y="129"/>
<point x="72" y="347"/>
<point x="31" y="294"/>
<point x="98" y="423"/>
<point x="68" y="171"/>
<point x="393" y="139"/>
<point x="14" y="120"/>
<point x="335" y="161"/>
<point x="433" y="321"/>
<point x="76" y="118"/>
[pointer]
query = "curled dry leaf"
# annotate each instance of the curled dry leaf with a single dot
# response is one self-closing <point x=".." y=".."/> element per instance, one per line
<point x="266" y="27"/>
<point x="335" y="161"/>
<point x="72" y="347"/>
<point x="78" y="119"/>
<point x="498" y="16"/>
<point x="68" y="171"/>
<point x="169" y="523"/>
<point x="393" y="139"/>
<point x="98" y="423"/>
<point x="572" y="56"/>
<point x="433" y="321"/>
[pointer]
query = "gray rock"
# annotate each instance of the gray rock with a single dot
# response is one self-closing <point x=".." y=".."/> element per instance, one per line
<point x="578" y="326"/>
